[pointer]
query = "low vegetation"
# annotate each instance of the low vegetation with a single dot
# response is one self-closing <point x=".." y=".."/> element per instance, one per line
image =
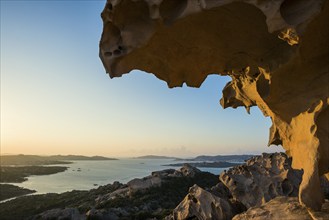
<point x="8" y="191"/>
<point x="11" y="174"/>
<point x="22" y="159"/>
<point x="155" y="202"/>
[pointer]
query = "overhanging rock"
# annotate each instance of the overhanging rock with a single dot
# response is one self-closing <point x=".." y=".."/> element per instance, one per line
<point x="276" y="53"/>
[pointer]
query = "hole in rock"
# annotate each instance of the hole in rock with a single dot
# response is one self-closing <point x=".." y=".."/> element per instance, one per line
<point x="287" y="188"/>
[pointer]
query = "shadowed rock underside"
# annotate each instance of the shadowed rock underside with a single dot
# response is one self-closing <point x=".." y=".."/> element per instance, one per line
<point x="276" y="53"/>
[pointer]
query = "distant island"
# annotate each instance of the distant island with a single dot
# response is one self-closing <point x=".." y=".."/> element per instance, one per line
<point x="227" y="158"/>
<point x="29" y="160"/>
<point x="156" y="157"/>
<point x="79" y="157"/>
<point x="204" y="158"/>
<point x="18" y="174"/>
<point x="218" y="164"/>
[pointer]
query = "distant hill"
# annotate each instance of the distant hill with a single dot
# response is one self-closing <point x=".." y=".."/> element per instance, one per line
<point x="156" y="157"/>
<point x="79" y="157"/>
<point x="22" y="159"/>
<point x="219" y="164"/>
<point x="227" y="158"/>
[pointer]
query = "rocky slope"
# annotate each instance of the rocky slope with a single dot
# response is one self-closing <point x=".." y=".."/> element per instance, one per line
<point x="261" y="179"/>
<point x="154" y="196"/>
<point x="276" y="53"/>
<point x="266" y="185"/>
<point x="284" y="208"/>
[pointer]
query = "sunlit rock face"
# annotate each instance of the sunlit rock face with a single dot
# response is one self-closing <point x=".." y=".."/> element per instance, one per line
<point x="283" y="208"/>
<point x="276" y="53"/>
<point x="261" y="179"/>
<point x="200" y="204"/>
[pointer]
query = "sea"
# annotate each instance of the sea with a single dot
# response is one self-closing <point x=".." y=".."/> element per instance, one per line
<point x="89" y="174"/>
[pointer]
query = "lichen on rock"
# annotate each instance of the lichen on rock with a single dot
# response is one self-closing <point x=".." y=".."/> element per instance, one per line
<point x="276" y="53"/>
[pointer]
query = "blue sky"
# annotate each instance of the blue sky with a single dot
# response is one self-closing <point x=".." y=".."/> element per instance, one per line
<point x="57" y="99"/>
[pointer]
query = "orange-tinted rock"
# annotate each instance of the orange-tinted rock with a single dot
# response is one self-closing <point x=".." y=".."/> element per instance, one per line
<point x="276" y="53"/>
<point x="284" y="208"/>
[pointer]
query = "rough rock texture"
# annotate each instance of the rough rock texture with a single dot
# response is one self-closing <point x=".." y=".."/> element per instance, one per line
<point x="283" y="208"/>
<point x="200" y="204"/>
<point x="276" y="53"/>
<point x="188" y="170"/>
<point x="142" y="184"/>
<point x="261" y="179"/>
<point x="265" y="184"/>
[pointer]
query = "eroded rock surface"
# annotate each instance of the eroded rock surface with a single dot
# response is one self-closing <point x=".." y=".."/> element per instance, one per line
<point x="200" y="204"/>
<point x="276" y="53"/>
<point x="142" y="184"/>
<point x="283" y="208"/>
<point x="266" y="185"/>
<point x="261" y="179"/>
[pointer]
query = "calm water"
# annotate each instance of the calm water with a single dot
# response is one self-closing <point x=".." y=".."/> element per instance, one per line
<point x="100" y="173"/>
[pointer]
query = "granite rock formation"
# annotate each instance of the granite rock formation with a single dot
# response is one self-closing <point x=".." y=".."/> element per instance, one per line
<point x="261" y="179"/>
<point x="266" y="185"/>
<point x="200" y="204"/>
<point x="143" y="184"/>
<point x="276" y="53"/>
<point x="281" y="208"/>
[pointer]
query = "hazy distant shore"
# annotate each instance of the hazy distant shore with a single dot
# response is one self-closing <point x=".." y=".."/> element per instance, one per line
<point x="156" y="157"/>
<point x="25" y="160"/>
<point x="10" y="174"/>
<point x="218" y="164"/>
<point x="227" y="158"/>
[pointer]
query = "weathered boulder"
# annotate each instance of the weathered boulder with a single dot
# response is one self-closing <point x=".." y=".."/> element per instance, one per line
<point x="200" y="204"/>
<point x="261" y="179"/>
<point x="276" y="53"/>
<point x="144" y="183"/>
<point x="141" y="184"/>
<point x="284" y="208"/>
<point x="163" y="173"/>
<point x="188" y="170"/>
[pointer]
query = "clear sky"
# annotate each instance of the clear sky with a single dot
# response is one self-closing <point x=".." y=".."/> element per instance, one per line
<point x="57" y="99"/>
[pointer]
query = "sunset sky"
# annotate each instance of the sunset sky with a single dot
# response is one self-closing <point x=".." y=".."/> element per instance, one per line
<point x="57" y="99"/>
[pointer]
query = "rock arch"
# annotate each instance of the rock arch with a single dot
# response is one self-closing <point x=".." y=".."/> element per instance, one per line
<point x="276" y="53"/>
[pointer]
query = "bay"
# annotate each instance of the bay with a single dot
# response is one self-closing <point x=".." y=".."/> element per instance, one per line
<point x="85" y="175"/>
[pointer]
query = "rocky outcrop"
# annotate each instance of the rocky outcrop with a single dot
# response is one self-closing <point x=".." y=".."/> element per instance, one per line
<point x="261" y="179"/>
<point x="142" y="184"/>
<point x="276" y="53"/>
<point x="266" y="185"/>
<point x="188" y="170"/>
<point x="200" y="204"/>
<point x="283" y="208"/>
